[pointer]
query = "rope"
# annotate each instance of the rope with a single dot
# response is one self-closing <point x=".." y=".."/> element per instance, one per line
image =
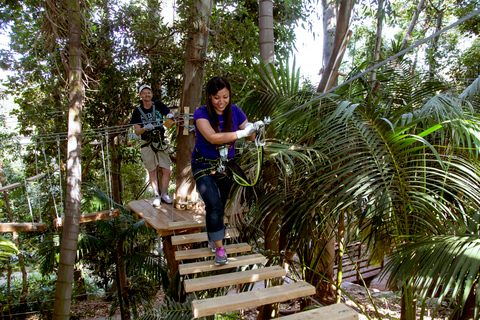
<point x="105" y="169"/>
<point x="29" y="205"/>
<point x="415" y="45"/>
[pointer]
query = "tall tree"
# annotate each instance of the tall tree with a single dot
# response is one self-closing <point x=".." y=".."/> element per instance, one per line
<point x="412" y="24"/>
<point x="340" y="39"/>
<point x="378" y="38"/>
<point x="193" y="74"/>
<point x="68" y="249"/>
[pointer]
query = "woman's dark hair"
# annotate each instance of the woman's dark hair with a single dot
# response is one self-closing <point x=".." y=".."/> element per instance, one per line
<point x="213" y="86"/>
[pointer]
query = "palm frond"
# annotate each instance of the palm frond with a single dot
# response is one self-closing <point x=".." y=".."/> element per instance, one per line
<point x="472" y="91"/>
<point x="7" y="248"/>
<point x="446" y="265"/>
<point x="171" y="310"/>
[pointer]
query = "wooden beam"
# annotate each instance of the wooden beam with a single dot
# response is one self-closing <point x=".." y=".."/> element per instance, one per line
<point x="207" y="252"/>
<point x="100" y="215"/>
<point x="337" y="311"/>
<point x="209" y="265"/>
<point x="38" y="176"/>
<point x="10" y="186"/>
<point x="23" y="227"/>
<point x="92" y="216"/>
<point x="244" y="300"/>
<point x="230" y="279"/>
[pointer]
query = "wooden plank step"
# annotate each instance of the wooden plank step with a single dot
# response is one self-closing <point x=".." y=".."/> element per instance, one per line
<point x="189" y="224"/>
<point x="209" y="265"/>
<point x="229" y="279"/>
<point x="23" y="227"/>
<point x="201" y="237"/>
<point x="207" y="252"/>
<point x="10" y="186"/>
<point x="244" y="300"/>
<point x="38" y="176"/>
<point x="337" y="311"/>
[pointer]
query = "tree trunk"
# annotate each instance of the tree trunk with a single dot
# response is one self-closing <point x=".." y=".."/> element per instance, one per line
<point x="408" y="304"/>
<point x="378" y="40"/>
<point x="341" y="34"/>
<point x="413" y="22"/>
<point x="68" y="249"/>
<point x="329" y="22"/>
<point x="432" y="59"/>
<point x="341" y="247"/>
<point x="265" y="26"/>
<point x="194" y="63"/>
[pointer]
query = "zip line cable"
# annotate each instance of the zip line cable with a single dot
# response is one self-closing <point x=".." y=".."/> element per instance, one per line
<point x="415" y="45"/>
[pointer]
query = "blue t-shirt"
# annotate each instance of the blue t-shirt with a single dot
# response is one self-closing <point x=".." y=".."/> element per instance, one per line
<point x="205" y="148"/>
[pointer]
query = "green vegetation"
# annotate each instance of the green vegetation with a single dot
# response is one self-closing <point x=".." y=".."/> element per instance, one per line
<point x="390" y="160"/>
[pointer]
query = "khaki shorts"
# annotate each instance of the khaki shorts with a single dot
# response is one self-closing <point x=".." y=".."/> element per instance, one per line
<point x="152" y="160"/>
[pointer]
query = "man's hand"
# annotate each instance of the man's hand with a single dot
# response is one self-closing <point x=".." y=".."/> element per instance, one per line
<point x="149" y="127"/>
<point x="170" y="115"/>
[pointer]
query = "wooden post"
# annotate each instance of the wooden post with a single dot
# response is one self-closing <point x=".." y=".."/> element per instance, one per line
<point x="169" y="251"/>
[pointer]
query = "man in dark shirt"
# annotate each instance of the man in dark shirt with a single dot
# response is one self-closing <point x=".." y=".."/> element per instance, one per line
<point x="147" y="120"/>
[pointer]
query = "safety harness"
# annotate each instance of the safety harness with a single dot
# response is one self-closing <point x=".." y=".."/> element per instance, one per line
<point x="155" y="136"/>
<point x="229" y="167"/>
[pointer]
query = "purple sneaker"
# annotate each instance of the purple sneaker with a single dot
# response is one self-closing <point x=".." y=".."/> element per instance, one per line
<point x="220" y="257"/>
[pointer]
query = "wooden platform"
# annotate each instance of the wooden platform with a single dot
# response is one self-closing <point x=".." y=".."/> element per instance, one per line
<point x="166" y="219"/>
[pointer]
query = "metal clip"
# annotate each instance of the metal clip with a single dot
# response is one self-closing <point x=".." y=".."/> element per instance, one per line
<point x="220" y="168"/>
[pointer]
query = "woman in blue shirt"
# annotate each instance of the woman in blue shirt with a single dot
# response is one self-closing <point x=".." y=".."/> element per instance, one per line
<point x="217" y="125"/>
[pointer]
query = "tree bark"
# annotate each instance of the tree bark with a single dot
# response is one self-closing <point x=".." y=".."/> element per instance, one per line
<point x="341" y="29"/>
<point x="329" y="22"/>
<point x="413" y="22"/>
<point x="195" y="54"/>
<point x="68" y="249"/>
<point x="265" y="26"/>
<point x="432" y="59"/>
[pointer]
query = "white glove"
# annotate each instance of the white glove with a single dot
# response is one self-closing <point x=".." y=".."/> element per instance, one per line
<point x="257" y="125"/>
<point x="149" y="127"/>
<point x="170" y="115"/>
<point x="248" y="131"/>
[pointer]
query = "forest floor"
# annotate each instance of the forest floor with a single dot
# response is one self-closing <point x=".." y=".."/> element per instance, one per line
<point x="386" y="302"/>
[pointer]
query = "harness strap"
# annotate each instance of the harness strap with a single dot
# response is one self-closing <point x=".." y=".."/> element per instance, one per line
<point x="234" y="170"/>
<point x="151" y="138"/>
